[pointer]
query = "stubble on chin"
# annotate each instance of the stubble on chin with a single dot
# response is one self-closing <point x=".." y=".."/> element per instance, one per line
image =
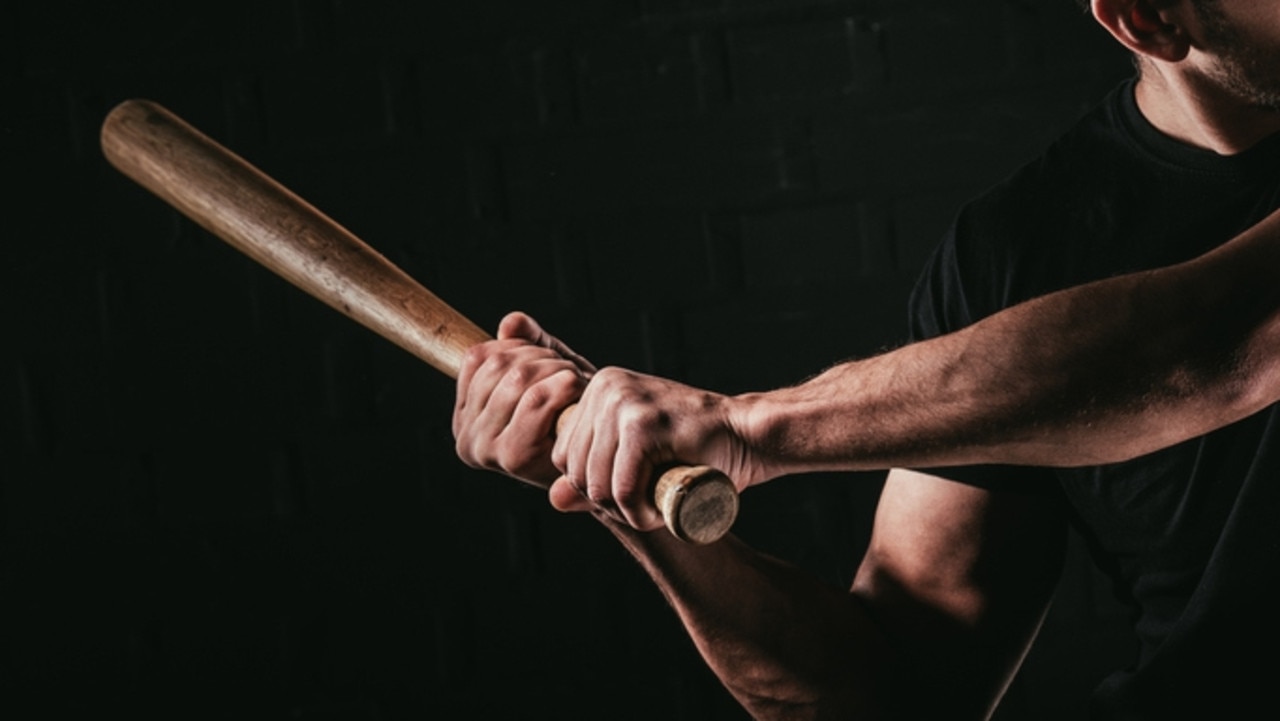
<point x="1249" y="72"/>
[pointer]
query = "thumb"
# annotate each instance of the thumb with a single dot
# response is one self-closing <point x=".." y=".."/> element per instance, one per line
<point x="566" y="498"/>
<point x="521" y="326"/>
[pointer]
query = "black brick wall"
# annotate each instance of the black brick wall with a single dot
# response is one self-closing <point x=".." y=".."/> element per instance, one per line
<point x="223" y="500"/>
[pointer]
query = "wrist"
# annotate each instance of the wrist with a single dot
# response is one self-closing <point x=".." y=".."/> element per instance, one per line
<point x="804" y="428"/>
<point x="760" y="422"/>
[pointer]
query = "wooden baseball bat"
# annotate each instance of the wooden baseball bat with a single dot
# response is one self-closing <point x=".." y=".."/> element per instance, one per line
<point x="240" y="204"/>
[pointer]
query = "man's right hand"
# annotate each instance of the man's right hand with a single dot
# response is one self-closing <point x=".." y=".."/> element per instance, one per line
<point x="626" y="427"/>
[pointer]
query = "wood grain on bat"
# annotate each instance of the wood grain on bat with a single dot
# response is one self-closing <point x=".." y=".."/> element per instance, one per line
<point x="240" y="204"/>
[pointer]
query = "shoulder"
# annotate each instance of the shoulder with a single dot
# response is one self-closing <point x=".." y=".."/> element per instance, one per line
<point x="1087" y="162"/>
<point x="1009" y="243"/>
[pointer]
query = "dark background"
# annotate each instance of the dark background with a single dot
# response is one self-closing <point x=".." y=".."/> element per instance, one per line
<point x="222" y="499"/>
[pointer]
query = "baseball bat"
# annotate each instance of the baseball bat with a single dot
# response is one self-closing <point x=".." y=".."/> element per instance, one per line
<point x="240" y="204"/>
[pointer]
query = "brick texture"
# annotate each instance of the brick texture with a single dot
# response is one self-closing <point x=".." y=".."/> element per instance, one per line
<point x="222" y="499"/>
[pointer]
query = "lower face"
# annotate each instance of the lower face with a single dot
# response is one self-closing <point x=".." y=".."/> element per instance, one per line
<point x="1243" y="37"/>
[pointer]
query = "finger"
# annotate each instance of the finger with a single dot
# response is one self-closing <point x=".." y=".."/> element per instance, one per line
<point x="516" y="393"/>
<point x="476" y="418"/>
<point x="524" y="444"/>
<point x="599" y="466"/>
<point x="496" y="359"/>
<point x="573" y="442"/>
<point x="471" y="424"/>
<point x="522" y="326"/>
<point x="480" y="361"/>
<point x="542" y="402"/>
<point x="564" y="429"/>
<point x="486" y="426"/>
<point x="471" y="360"/>
<point x="632" y="472"/>
<point x="568" y="353"/>
<point x="568" y="498"/>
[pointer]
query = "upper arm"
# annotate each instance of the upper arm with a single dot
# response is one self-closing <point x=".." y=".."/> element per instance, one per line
<point x="959" y="578"/>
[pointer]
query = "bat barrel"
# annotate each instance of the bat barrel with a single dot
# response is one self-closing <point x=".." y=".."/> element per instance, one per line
<point x="243" y="206"/>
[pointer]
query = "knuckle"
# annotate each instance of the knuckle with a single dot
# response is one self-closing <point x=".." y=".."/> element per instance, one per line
<point x="495" y="363"/>
<point x="600" y="495"/>
<point x="555" y="390"/>
<point x="521" y="373"/>
<point x="467" y="453"/>
<point x="520" y="456"/>
<point x="515" y="379"/>
<point x="629" y="495"/>
<point x="608" y="377"/>
<point x="641" y="419"/>
<point x="538" y="396"/>
<point x="512" y="461"/>
<point x="567" y="381"/>
<point x="475" y="356"/>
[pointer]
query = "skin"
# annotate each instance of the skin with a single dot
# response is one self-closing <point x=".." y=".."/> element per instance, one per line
<point x="1148" y="363"/>
<point x="956" y="580"/>
<point x="1210" y="77"/>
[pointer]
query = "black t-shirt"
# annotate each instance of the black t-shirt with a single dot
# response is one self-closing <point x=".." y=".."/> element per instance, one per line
<point x="1190" y="534"/>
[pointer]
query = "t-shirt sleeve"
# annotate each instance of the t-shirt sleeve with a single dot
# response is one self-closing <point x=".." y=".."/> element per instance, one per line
<point x="937" y="304"/>
<point x="941" y="302"/>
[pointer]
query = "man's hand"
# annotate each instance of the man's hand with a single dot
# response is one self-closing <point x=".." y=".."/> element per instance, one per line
<point x="510" y="393"/>
<point x="628" y="424"/>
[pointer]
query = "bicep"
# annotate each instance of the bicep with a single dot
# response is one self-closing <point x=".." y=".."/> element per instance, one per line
<point x="959" y="578"/>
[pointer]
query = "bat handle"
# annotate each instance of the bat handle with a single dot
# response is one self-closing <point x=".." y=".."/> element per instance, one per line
<point x="698" y="503"/>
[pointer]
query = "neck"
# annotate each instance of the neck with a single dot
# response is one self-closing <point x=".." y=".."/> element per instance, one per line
<point x="1202" y="114"/>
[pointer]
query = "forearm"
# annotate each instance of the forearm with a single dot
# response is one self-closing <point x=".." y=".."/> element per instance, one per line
<point x="1098" y="373"/>
<point x="786" y="645"/>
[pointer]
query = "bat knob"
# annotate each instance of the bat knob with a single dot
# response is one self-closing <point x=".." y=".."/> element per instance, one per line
<point x="699" y="503"/>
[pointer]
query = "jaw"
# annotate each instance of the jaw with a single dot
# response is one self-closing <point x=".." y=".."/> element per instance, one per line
<point x="1197" y="107"/>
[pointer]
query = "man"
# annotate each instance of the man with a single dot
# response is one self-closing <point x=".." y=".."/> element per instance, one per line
<point x="963" y="558"/>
